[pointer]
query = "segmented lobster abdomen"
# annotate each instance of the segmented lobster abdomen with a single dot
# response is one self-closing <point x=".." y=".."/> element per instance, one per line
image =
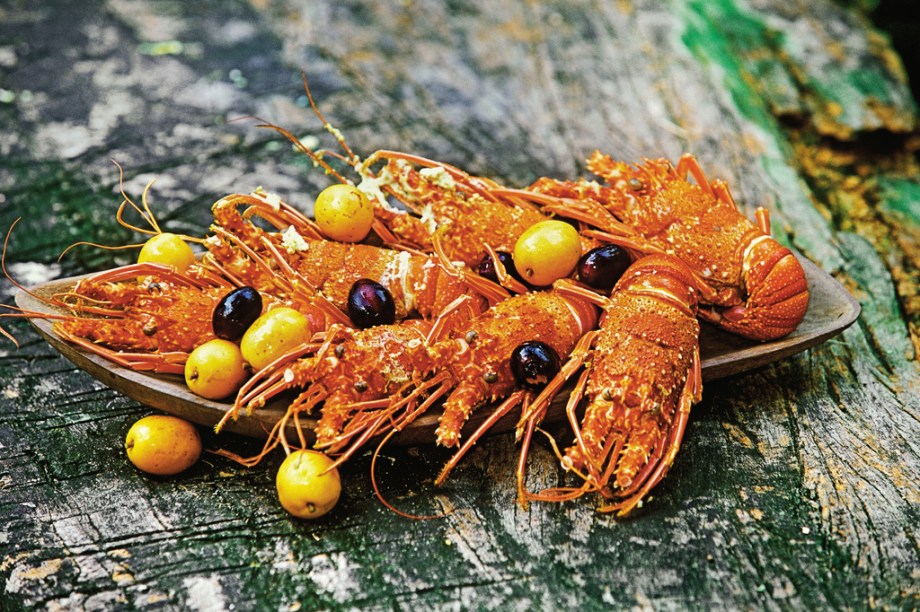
<point x="641" y="361"/>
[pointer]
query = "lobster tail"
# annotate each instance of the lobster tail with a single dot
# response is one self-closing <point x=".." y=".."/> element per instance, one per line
<point x="777" y="293"/>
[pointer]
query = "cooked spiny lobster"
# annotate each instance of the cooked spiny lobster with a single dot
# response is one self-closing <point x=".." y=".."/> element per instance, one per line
<point x="295" y="255"/>
<point x="350" y="368"/>
<point x="148" y="325"/>
<point x="383" y="377"/>
<point x="446" y="203"/>
<point x="460" y="212"/>
<point x="760" y="287"/>
<point x="456" y="332"/>
<point x="352" y="374"/>
<point x="642" y="374"/>
<point x="478" y="356"/>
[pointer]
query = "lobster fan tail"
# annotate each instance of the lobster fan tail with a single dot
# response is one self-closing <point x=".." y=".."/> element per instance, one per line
<point x="778" y="294"/>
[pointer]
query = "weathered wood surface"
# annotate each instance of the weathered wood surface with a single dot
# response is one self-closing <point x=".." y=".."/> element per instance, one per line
<point x="796" y="486"/>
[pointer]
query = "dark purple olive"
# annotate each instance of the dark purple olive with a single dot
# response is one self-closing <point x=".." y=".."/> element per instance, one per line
<point x="534" y="363"/>
<point x="235" y="312"/>
<point x="370" y="304"/>
<point x="487" y="266"/>
<point x="602" y="266"/>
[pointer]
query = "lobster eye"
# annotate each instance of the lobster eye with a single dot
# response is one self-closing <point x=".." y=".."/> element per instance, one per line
<point x="602" y="266"/>
<point x="534" y="363"/>
<point x="235" y="312"/>
<point x="370" y="304"/>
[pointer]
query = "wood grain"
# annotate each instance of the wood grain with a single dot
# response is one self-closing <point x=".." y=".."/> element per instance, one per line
<point x="796" y="486"/>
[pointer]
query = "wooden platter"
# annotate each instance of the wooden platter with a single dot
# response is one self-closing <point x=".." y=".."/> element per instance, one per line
<point x="831" y="309"/>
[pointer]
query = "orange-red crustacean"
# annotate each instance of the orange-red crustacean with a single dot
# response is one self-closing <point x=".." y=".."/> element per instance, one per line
<point x="150" y="325"/>
<point x="297" y="255"/>
<point x="641" y="377"/>
<point x="382" y="378"/>
<point x="760" y="287"/>
<point x="351" y="374"/>
<point x="446" y="208"/>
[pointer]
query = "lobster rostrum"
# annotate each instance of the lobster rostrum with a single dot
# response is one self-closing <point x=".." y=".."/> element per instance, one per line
<point x="760" y="289"/>
<point x="641" y="376"/>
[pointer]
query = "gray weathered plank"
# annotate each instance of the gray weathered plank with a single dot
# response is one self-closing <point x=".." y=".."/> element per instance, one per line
<point x="796" y="486"/>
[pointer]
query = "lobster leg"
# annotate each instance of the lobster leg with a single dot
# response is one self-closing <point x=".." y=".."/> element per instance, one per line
<point x="162" y="363"/>
<point x="647" y="481"/>
<point x="503" y="409"/>
<point x="688" y="164"/>
<point x="763" y="219"/>
<point x="555" y="494"/>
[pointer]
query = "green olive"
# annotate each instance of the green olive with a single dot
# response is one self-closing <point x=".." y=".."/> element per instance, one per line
<point x="273" y="334"/>
<point x="215" y="369"/>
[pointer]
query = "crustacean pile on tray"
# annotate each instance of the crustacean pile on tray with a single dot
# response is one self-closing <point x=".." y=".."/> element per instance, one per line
<point x="479" y="297"/>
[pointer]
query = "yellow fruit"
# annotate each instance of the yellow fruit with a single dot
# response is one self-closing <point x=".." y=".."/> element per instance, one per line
<point x="547" y="251"/>
<point x="273" y="334"/>
<point x="163" y="445"/>
<point x="215" y="369"/>
<point x="167" y="249"/>
<point x="305" y="488"/>
<point x="343" y="213"/>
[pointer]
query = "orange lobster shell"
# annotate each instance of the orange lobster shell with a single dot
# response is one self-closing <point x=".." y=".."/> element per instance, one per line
<point x="760" y="289"/>
<point x="641" y="377"/>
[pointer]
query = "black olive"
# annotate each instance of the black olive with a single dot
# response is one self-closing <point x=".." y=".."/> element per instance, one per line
<point x="235" y="313"/>
<point x="487" y="270"/>
<point x="370" y="304"/>
<point x="534" y="363"/>
<point x="602" y="266"/>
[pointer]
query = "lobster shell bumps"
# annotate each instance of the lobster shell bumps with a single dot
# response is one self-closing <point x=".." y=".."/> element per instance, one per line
<point x="760" y="290"/>
<point x="157" y="310"/>
<point x="365" y="365"/>
<point x="460" y="209"/>
<point x="644" y="375"/>
<point x="416" y="282"/>
<point x="479" y="355"/>
<point x="147" y="317"/>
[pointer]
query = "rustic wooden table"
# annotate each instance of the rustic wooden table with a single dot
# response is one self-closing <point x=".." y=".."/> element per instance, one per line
<point x="797" y="484"/>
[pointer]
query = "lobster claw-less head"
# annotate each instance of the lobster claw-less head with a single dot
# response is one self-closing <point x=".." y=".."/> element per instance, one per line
<point x="776" y="290"/>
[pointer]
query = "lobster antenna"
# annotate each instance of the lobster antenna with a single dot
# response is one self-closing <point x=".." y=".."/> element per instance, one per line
<point x="352" y="158"/>
<point x="380" y="496"/>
